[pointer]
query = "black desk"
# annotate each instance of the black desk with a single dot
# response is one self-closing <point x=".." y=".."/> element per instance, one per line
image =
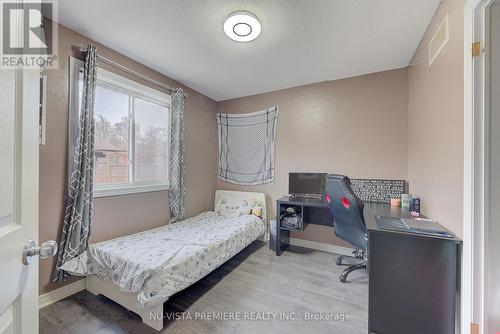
<point x="413" y="279"/>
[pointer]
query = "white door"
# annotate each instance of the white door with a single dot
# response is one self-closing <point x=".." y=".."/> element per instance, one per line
<point x="18" y="199"/>
<point x="19" y="105"/>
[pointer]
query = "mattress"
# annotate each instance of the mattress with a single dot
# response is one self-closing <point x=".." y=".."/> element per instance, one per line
<point x="160" y="262"/>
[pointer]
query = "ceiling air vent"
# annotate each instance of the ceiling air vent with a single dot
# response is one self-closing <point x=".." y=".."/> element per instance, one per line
<point x="439" y="40"/>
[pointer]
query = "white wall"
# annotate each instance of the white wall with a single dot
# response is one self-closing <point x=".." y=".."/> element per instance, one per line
<point x="492" y="284"/>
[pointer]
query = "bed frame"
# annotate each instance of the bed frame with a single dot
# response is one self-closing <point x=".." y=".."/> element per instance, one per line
<point x="153" y="316"/>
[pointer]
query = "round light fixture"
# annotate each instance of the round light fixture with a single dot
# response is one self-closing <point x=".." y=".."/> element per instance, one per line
<point x="242" y="26"/>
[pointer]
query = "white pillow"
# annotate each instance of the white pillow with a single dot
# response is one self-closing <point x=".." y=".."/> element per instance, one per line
<point x="233" y="207"/>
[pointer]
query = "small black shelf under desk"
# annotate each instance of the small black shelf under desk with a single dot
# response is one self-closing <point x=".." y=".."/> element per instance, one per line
<point x="312" y="211"/>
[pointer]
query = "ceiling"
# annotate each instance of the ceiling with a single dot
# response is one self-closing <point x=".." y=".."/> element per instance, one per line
<point x="302" y="41"/>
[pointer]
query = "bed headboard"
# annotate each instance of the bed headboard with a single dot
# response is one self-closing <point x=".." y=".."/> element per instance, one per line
<point x="260" y="199"/>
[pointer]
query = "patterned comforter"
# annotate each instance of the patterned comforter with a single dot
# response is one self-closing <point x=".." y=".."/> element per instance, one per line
<point x="160" y="262"/>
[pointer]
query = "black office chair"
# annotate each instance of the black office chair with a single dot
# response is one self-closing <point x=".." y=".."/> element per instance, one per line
<point x="348" y="221"/>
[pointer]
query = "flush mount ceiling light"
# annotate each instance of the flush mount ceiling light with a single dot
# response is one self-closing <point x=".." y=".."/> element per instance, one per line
<point x="242" y="26"/>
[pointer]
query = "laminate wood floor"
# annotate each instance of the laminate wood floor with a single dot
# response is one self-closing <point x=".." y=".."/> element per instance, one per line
<point x="255" y="285"/>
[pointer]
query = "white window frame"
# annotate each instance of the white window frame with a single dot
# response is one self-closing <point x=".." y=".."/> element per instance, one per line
<point x="135" y="90"/>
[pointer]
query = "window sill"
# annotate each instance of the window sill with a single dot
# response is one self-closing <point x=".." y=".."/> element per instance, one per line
<point x="127" y="190"/>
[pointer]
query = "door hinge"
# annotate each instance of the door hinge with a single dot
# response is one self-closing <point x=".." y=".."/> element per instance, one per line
<point x="476" y="49"/>
<point x="474" y="328"/>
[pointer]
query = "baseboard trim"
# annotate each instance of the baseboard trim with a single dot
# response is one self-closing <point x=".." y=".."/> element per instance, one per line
<point x="321" y="246"/>
<point x="56" y="295"/>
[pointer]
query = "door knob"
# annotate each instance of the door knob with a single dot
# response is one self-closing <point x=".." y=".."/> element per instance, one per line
<point x="47" y="249"/>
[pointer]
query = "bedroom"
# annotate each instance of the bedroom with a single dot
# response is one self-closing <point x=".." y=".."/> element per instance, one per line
<point x="190" y="159"/>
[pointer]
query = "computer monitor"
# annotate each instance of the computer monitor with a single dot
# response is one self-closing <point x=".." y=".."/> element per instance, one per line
<point x="307" y="184"/>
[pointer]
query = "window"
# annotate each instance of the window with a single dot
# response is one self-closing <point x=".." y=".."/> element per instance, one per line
<point x="111" y="137"/>
<point x="131" y="133"/>
<point x="151" y="135"/>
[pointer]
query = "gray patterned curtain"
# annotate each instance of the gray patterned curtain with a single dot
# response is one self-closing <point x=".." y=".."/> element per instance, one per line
<point x="177" y="190"/>
<point x="76" y="229"/>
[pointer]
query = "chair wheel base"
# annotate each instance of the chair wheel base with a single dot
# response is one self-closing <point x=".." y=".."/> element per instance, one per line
<point x="350" y="269"/>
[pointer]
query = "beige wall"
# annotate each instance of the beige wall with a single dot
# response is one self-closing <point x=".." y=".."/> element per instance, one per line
<point x="120" y="215"/>
<point x="356" y="126"/>
<point x="435" y="146"/>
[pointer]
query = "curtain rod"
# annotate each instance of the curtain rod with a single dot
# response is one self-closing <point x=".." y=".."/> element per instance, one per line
<point x="83" y="48"/>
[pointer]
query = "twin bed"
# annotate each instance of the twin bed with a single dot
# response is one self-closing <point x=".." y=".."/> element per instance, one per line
<point x="141" y="271"/>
